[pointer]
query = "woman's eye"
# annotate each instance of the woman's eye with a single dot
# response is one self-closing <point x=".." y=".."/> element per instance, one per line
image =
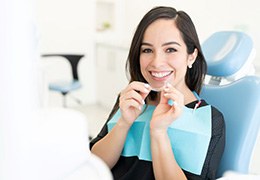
<point x="146" y="50"/>
<point x="169" y="50"/>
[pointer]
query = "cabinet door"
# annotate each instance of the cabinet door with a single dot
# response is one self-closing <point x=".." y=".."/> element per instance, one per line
<point x="111" y="76"/>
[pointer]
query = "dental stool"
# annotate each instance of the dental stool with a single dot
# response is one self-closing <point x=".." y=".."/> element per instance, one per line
<point x="235" y="93"/>
<point x="65" y="87"/>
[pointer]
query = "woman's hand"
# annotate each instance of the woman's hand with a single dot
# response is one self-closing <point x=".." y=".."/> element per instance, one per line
<point x="132" y="100"/>
<point x="165" y="114"/>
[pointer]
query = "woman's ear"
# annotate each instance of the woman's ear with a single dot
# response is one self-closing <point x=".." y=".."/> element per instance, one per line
<point x="192" y="57"/>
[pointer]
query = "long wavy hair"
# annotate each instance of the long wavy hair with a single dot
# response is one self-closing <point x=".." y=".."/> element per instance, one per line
<point x="194" y="76"/>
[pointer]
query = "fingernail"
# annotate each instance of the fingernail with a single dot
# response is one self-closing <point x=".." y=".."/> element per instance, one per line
<point x="147" y="86"/>
<point x="165" y="94"/>
<point x="166" y="89"/>
<point x="168" y="85"/>
<point x="143" y="102"/>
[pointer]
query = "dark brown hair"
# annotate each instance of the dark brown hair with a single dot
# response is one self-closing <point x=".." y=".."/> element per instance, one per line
<point x="194" y="76"/>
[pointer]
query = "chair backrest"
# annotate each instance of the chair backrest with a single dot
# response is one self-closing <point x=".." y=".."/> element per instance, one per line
<point x="229" y="56"/>
<point x="229" y="49"/>
<point x="240" y="104"/>
<point x="239" y="101"/>
<point x="73" y="60"/>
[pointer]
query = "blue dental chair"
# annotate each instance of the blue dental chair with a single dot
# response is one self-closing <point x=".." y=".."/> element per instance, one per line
<point x="235" y="93"/>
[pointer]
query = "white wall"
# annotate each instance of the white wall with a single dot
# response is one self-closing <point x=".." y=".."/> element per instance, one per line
<point x="208" y="16"/>
<point x="68" y="27"/>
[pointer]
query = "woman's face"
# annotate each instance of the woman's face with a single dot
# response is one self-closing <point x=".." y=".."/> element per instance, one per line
<point x="163" y="55"/>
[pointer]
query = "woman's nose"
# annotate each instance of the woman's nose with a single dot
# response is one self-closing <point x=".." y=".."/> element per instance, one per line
<point x="158" y="59"/>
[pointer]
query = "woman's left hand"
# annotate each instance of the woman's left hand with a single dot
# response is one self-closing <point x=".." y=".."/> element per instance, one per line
<point x="164" y="114"/>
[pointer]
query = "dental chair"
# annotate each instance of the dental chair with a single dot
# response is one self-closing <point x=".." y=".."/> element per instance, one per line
<point x="233" y="89"/>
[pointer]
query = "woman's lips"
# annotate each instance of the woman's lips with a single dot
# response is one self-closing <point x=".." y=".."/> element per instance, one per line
<point x="160" y="74"/>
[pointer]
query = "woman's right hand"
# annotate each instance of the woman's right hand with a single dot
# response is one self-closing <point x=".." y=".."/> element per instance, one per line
<point x="110" y="147"/>
<point x="131" y="101"/>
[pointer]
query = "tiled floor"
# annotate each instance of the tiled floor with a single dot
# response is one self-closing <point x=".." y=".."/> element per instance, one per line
<point x="97" y="115"/>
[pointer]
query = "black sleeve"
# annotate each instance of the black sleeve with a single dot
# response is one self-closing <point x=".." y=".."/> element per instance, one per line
<point x="100" y="135"/>
<point x="104" y="129"/>
<point x="217" y="145"/>
<point x="215" y="151"/>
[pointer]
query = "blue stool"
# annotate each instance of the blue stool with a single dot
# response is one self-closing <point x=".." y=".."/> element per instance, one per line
<point x="66" y="87"/>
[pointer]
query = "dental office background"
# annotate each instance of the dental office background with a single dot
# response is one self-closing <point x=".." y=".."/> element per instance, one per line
<point x="99" y="29"/>
<point x="102" y="30"/>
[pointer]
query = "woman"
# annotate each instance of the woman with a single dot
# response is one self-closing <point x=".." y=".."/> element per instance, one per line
<point x="159" y="128"/>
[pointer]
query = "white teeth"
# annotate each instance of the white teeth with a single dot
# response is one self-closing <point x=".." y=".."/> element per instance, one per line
<point x="160" y="74"/>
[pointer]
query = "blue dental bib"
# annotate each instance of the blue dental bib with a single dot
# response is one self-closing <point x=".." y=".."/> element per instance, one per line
<point x="189" y="135"/>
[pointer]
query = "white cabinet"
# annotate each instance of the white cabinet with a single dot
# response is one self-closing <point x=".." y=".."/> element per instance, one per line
<point x="105" y="16"/>
<point x="111" y="76"/>
<point x="110" y="15"/>
<point x="111" y="50"/>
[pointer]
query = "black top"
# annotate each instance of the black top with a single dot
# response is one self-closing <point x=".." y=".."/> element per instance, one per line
<point x="128" y="168"/>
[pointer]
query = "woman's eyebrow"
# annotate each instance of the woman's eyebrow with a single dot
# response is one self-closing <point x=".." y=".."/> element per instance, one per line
<point x="164" y="44"/>
<point x="146" y="44"/>
<point x="170" y="43"/>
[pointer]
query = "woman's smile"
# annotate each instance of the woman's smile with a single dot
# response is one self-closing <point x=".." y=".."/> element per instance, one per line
<point x="158" y="79"/>
<point x="160" y="74"/>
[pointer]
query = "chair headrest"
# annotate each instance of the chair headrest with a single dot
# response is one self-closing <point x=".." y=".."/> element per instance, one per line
<point x="226" y="52"/>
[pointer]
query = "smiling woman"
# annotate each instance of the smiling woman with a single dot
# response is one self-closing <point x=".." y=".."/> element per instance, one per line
<point x="164" y="56"/>
<point x="152" y="131"/>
